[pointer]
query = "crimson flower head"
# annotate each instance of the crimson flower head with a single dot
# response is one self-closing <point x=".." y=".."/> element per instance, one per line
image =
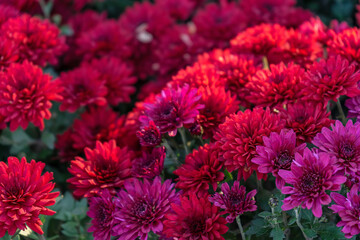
<point x="37" y="40"/>
<point x="141" y="207"/>
<point x="346" y="44"/>
<point x="341" y="143"/>
<point x="101" y="210"/>
<point x="24" y="195"/>
<point x="7" y="12"/>
<point x="105" y="167"/>
<point x="277" y="153"/>
<point x="26" y="95"/>
<point x="173" y="108"/>
<point x="311" y="175"/>
<point x="201" y="168"/>
<point x="194" y="218"/>
<point x="150" y="135"/>
<point x="349" y="211"/>
<point x="329" y="79"/>
<point x="82" y="86"/>
<point x="235" y="201"/>
<point x="9" y="53"/>
<point x="150" y="164"/>
<point x="239" y="135"/>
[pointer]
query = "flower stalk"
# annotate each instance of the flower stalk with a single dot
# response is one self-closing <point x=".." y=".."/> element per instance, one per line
<point x="238" y="221"/>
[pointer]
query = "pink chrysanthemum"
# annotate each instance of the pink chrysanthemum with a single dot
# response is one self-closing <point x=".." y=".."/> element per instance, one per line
<point x="341" y="143"/>
<point x="24" y="195"/>
<point x="142" y="206"/>
<point x="105" y="167"/>
<point x="311" y="175"/>
<point x="173" y="108"/>
<point x="26" y="95"/>
<point x="235" y="201"/>
<point x="101" y="210"/>
<point x="150" y="164"/>
<point x="150" y="135"/>
<point x="353" y="105"/>
<point x="349" y="211"/>
<point x="239" y="135"/>
<point x="201" y="169"/>
<point x="277" y="153"/>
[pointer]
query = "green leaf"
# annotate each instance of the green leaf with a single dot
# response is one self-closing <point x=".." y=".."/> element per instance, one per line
<point x="265" y="214"/>
<point x="277" y="233"/>
<point x="69" y="229"/>
<point x="329" y="232"/>
<point x="228" y="175"/>
<point x="310" y="232"/>
<point x="291" y="221"/>
<point x="48" y="139"/>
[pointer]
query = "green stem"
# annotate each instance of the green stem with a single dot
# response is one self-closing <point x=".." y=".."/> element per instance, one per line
<point x="287" y="229"/>
<point x="238" y="221"/>
<point x="259" y="184"/>
<point x="171" y="151"/>
<point x="15" y="234"/>
<point x="342" y="115"/>
<point x="299" y="223"/>
<point x="184" y="140"/>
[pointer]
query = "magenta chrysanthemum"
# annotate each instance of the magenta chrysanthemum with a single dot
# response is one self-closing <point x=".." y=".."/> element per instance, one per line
<point x="235" y="201"/>
<point x="142" y="207"/>
<point x="150" y="164"/>
<point x="311" y="175"/>
<point x="277" y="153"/>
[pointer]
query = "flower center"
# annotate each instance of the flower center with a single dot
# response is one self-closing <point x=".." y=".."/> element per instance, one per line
<point x="284" y="160"/>
<point x="196" y="226"/>
<point x="150" y="136"/>
<point x="235" y="198"/>
<point x="347" y="152"/>
<point x="310" y="182"/>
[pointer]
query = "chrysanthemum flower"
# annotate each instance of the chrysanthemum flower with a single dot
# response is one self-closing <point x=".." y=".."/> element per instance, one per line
<point x="235" y="201"/>
<point x="311" y="175"/>
<point x="306" y="119"/>
<point x="150" y="135"/>
<point x="353" y="105"/>
<point x="24" y="195"/>
<point x="277" y="153"/>
<point x="346" y="44"/>
<point x="277" y="86"/>
<point x="329" y="79"/>
<point x="239" y="135"/>
<point x="195" y="218"/>
<point x="173" y="108"/>
<point x="26" y="94"/>
<point x="82" y="86"/>
<point x="150" y="164"/>
<point x="349" y="211"/>
<point x="179" y="10"/>
<point x="142" y="206"/>
<point x="218" y="104"/>
<point x="341" y="143"/>
<point x="101" y="210"/>
<point x="7" y="12"/>
<point x="105" y="167"/>
<point x="201" y="169"/>
<point x="9" y="53"/>
<point x="21" y="5"/>
<point x="37" y="40"/>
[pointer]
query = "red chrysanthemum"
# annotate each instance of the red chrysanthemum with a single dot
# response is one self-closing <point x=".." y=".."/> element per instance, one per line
<point x="179" y="10"/>
<point x="24" y="195"/>
<point x="150" y="135"/>
<point x="21" y="5"/>
<point x="346" y="44"/>
<point x="82" y="86"/>
<point x="306" y="119"/>
<point x="26" y="94"/>
<point x="194" y="218"/>
<point x="7" y="12"/>
<point x="329" y="79"/>
<point x="275" y="87"/>
<point x="9" y="53"/>
<point x="239" y="135"/>
<point x="201" y="168"/>
<point x="150" y="164"/>
<point x="105" y="167"/>
<point x="37" y="40"/>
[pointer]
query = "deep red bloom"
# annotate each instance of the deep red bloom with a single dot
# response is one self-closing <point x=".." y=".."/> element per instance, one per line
<point x="150" y="164"/>
<point x="173" y="108"/>
<point x="7" y="12"/>
<point x="201" y="168"/>
<point x="101" y="210"/>
<point x="346" y="44"/>
<point x="275" y="87"/>
<point x="26" y="94"/>
<point x="194" y="218"/>
<point x="150" y="135"/>
<point x="82" y="86"/>
<point x="349" y="211"/>
<point x="24" y="195"/>
<point x="21" y="5"/>
<point x="277" y="153"/>
<point x="235" y="201"/>
<point x="311" y="175"/>
<point x="306" y="119"/>
<point x="64" y="146"/>
<point x="37" y="40"/>
<point x="179" y="10"/>
<point x="105" y="167"/>
<point x="239" y="135"/>
<point x="9" y="53"/>
<point x="329" y="79"/>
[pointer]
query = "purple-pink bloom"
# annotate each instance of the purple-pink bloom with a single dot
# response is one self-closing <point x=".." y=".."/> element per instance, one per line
<point x="150" y="164"/>
<point x="149" y="136"/>
<point x="235" y="201"/>
<point x="341" y="143"/>
<point x="353" y="104"/>
<point x="172" y="109"/>
<point x="349" y="211"/>
<point x="101" y="210"/>
<point x="311" y="175"/>
<point x="141" y="207"/>
<point x="277" y="153"/>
